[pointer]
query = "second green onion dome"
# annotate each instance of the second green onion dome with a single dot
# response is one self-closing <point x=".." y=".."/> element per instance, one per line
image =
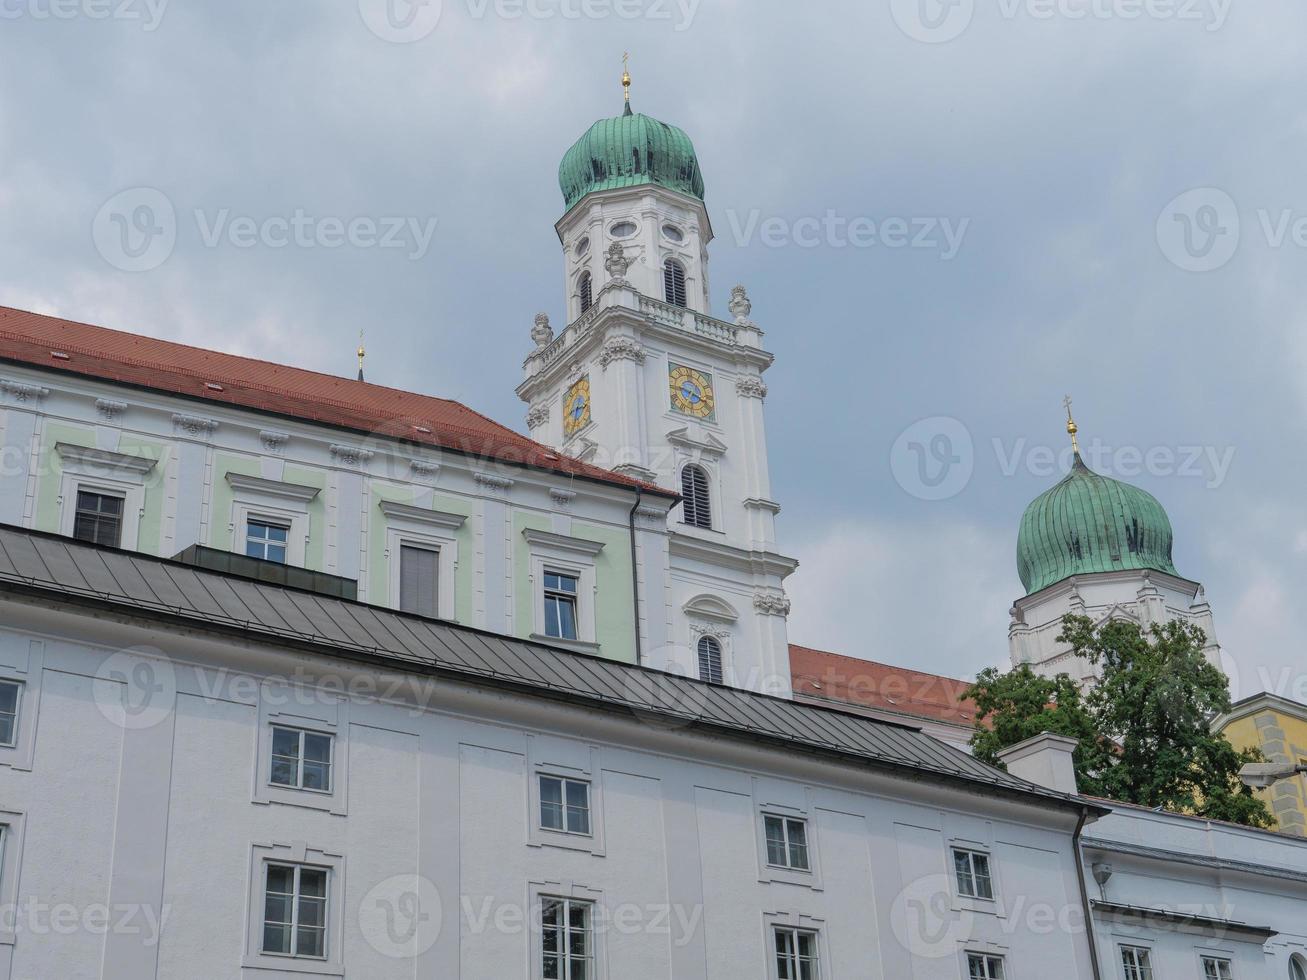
<point x="1090" y="523"/>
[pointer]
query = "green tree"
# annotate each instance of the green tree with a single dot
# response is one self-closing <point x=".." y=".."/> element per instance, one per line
<point x="1144" y="731"/>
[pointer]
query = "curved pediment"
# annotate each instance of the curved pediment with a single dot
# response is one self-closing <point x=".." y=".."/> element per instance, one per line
<point x="711" y="607"/>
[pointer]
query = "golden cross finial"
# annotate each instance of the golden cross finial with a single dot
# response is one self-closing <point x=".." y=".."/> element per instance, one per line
<point x="1071" y="426"/>
<point x="626" y="75"/>
<point x="362" y="353"/>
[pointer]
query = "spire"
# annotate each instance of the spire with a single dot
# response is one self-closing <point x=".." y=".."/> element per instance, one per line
<point x="362" y="353"/>
<point x="626" y="82"/>
<point x="1071" y="426"/>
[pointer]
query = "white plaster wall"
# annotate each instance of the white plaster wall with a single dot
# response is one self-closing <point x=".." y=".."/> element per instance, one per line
<point x="438" y="785"/>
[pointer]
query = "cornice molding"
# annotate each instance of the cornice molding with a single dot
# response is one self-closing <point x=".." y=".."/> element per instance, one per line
<point x="771" y="603"/>
<point x="272" y="488"/>
<point x="729" y="556"/>
<point x="109" y="408"/>
<point x="351" y="455"/>
<point x="273" y="441"/>
<point x="758" y="503"/>
<point x="195" y="426"/>
<point x="622" y="349"/>
<point x="498" y="485"/>
<point x="21" y="391"/>
<point x="562" y="542"/>
<point x="103" y="459"/>
<point x="709" y="445"/>
<point x="421" y="515"/>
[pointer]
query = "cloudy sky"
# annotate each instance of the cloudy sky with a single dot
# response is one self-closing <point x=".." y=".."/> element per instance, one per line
<point x="949" y="215"/>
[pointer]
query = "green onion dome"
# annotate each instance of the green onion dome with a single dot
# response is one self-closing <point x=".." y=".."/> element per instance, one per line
<point x="626" y="151"/>
<point x="1089" y="523"/>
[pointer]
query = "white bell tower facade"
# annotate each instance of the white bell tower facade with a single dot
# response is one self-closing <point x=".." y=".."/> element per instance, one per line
<point x="644" y="381"/>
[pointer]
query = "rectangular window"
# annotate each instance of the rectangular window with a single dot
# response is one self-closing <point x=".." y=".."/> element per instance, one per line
<point x="981" y="967"/>
<point x="787" y="842"/>
<point x="796" y="954"/>
<point x="972" y="869"/>
<point x="1215" y="968"/>
<point x="10" y="692"/>
<point x="560" y="605"/>
<point x="266" y="540"/>
<point x="301" y="759"/>
<point x="565" y="805"/>
<point x="1137" y="963"/>
<point x="567" y="940"/>
<point x="99" y="518"/>
<point x="295" y="911"/>
<point x="417" y="580"/>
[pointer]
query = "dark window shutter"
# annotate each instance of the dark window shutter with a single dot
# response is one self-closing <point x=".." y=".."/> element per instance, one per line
<point x="696" y="509"/>
<point x="674" y="282"/>
<point x="587" y="296"/>
<point x="710" y="660"/>
<point x="417" y="580"/>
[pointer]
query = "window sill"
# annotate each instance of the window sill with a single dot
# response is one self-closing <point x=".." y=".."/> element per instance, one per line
<point x="286" y="964"/>
<point x="576" y="646"/>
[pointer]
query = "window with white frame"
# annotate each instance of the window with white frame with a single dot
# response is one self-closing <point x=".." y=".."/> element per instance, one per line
<point x="1217" y="968"/>
<point x="973" y="875"/>
<point x="301" y="759"/>
<point x="266" y="539"/>
<point x="586" y="289"/>
<point x="981" y="966"/>
<point x="710" y="659"/>
<point x="565" y="805"/>
<point x="419" y="578"/>
<point x="567" y="941"/>
<point x="1137" y="963"/>
<point x="674" y="282"/>
<point x="796" y="954"/>
<point x="11" y="693"/>
<point x="787" y="842"/>
<point x="99" y="517"/>
<point x="561" y="593"/>
<point x="295" y="911"/>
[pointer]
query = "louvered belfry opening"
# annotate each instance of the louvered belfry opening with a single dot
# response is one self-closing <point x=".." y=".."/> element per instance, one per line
<point x="710" y="660"/>
<point x="587" y="294"/>
<point x="695" y="508"/>
<point x="674" y="282"/>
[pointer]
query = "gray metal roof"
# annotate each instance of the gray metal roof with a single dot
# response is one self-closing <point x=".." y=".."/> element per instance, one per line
<point x="52" y="566"/>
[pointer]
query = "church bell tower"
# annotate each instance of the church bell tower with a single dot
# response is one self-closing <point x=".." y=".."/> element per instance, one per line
<point x="645" y="381"/>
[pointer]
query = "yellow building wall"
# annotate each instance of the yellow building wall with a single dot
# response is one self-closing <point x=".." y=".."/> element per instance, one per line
<point x="1282" y="737"/>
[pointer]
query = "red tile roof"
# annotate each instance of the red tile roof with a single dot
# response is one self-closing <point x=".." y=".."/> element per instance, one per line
<point x="832" y="677"/>
<point x="243" y="382"/>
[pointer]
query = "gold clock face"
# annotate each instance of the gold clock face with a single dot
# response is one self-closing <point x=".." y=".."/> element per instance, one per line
<point x="692" y="392"/>
<point x="576" y="407"/>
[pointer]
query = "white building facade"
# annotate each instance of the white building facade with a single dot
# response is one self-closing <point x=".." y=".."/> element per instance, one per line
<point x="202" y="782"/>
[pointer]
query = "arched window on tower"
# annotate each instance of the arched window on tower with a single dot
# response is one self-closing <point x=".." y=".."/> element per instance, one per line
<point x="674" y="282"/>
<point x="696" y="510"/>
<point x="587" y="295"/>
<point x="710" y="660"/>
